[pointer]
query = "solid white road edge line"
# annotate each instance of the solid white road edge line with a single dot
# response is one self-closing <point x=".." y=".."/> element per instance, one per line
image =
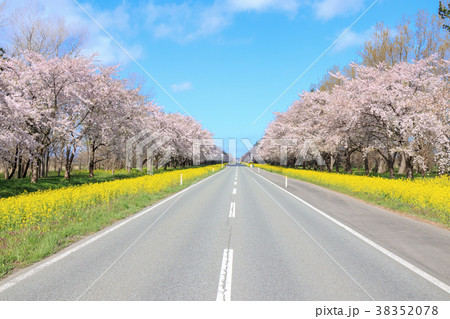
<point x="129" y="247"/>
<point x="316" y="242"/>
<point x="224" y="288"/>
<point x="393" y="256"/>
<point x="101" y="234"/>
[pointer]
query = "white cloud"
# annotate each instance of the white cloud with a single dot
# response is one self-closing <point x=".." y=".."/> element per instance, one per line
<point x="260" y="5"/>
<point x="185" y="22"/>
<point x="114" y="21"/>
<point x="352" y="39"/>
<point x="181" y="21"/>
<point x="329" y="9"/>
<point x="109" y="53"/>
<point x="188" y="21"/>
<point x="181" y="87"/>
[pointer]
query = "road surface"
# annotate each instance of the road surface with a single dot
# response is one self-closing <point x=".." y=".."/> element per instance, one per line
<point x="242" y="235"/>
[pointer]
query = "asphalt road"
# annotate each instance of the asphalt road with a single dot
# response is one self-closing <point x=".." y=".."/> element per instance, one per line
<point x="241" y="235"/>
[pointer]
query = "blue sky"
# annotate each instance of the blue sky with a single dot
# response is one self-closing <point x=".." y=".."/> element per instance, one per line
<point x="226" y="61"/>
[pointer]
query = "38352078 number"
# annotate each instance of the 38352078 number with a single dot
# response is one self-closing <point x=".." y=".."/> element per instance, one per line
<point x="407" y="310"/>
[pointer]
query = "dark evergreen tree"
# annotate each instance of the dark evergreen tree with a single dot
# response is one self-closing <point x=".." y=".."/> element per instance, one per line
<point x="444" y="13"/>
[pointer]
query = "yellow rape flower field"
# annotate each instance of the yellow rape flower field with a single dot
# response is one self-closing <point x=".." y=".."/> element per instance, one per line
<point x="25" y="219"/>
<point x="428" y="196"/>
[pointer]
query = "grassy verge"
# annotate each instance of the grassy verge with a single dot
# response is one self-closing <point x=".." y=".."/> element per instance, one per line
<point x="20" y="247"/>
<point x="426" y="212"/>
<point x="361" y="172"/>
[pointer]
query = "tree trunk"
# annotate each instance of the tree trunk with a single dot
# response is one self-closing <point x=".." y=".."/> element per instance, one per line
<point x="47" y="164"/>
<point x="366" y="164"/>
<point x="39" y="170"/>
<point x="89" y="155"/>
<point x="6" y="171"/>
<point x="42" y="167"/>
<point x="61" y="159"/>
<point x="25" y="171"/>
<point x="423" y="172"/>
<point x="68" y="167"/>
<point x="381" y="166"/>
<point x="55" y="167"/>
<point x="336" y="163"/>
<point x="402" y="166"/>
<point x="35" y="171"/>
<point x="67" y="172"/>
<point x="408" y="166"/>
<point x="19" y="167"/>
<point x="92" y="160"/>
<point x="376" y="165"/>
<point x="150" y="166"/>
<point x="327" y="159"/>
<point x="13" y="169"/>
<point x="390" y="164"/>
<point x="348" y="163"/>
<point x="69" y="160"/>
<point x="332" y="160"/>
<point x="91" y="168"/>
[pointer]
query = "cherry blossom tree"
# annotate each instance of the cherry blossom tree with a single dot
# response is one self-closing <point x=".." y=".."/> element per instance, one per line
<point x="392" y="110"/>
<point x="61" y="105"/>
<point x="115" y="110"/>
<point x="398" y="106"/>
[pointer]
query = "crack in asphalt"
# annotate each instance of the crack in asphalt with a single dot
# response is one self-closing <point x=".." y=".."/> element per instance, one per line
<point x="223" y="280"/>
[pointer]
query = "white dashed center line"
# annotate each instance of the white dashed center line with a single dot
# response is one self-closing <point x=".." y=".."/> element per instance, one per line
<point x="232" y="210"/>
<point x="224" y="289"/>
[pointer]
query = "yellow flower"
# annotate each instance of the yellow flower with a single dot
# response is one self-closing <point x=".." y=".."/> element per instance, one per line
<point x="29" y="209"/>
<point x="430" y="194"/>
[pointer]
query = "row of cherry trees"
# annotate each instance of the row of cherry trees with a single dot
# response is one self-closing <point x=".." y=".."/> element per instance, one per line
<point x="59" y="106"/>
<point x="390" y="110"/>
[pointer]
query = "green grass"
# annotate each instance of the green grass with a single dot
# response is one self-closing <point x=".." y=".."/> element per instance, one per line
<point x="361" y="172"/>
<point x="15" y="186"/>
<point x="19" y="249"/>
<point x="381" y="201"/>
